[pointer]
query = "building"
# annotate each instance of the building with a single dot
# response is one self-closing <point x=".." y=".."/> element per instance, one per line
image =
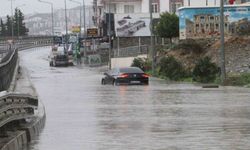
<point x="204" y="22"/>
<point x="129" y="7"/>
<point x="40" y="24"/>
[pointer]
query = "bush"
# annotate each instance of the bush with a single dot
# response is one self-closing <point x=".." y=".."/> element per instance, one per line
<point x="171" y="68"/>
<point x="205" y="71"/>
<point x="142" y="63"/>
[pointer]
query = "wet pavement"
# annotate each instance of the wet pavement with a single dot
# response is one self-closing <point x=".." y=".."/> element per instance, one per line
<point x="83" y="114"/>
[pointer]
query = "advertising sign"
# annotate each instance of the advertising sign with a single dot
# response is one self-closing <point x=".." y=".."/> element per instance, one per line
<point x="92" y="32"/>
<point x="130" y="25"/>
<point x="75" y="29"/>
<point x="204" y="22"/>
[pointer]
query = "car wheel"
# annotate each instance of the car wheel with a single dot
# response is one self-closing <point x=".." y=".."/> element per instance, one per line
<point x="103" y="82"/>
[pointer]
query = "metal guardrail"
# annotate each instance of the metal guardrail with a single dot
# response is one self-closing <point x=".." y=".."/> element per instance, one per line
<point x="7" y="67"/>
<point x="14" y="106"/>
<point x="9" y="56"/>
<point x="131" y="51"/>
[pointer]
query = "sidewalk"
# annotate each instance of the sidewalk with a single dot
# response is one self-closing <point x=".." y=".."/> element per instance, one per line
<point x="23" y="83"/>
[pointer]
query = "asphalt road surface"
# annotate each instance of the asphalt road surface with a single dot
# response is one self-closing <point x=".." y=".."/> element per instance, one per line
<point x="82" y="114"/>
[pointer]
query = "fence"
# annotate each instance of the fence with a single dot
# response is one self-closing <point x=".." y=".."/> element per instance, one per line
<point x="131" y="51"/>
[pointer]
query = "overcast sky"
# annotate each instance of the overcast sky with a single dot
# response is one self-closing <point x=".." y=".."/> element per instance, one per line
<point x="33" y="6"/>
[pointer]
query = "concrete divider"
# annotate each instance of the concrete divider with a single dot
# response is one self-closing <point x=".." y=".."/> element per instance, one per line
<point x="17" y="142"/>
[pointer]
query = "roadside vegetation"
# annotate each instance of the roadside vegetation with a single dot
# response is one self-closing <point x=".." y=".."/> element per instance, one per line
<point x="18" y="22"/>
<point x="196" y="60"/>
<point x="170" y="68"/>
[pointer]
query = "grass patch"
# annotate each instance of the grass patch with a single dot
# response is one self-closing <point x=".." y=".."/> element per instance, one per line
<point x="238" y="79"/>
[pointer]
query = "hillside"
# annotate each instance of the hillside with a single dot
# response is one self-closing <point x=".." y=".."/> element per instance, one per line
<point x="237" y="52"/>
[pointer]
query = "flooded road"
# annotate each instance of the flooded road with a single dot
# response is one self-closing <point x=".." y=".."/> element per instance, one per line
<point x="82" y="114"/>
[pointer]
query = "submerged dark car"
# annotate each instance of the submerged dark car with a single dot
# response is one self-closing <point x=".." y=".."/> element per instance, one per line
<point x="128" y="75"/>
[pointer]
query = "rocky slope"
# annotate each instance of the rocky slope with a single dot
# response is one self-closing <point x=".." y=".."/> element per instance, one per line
<point x="237" y="52"/>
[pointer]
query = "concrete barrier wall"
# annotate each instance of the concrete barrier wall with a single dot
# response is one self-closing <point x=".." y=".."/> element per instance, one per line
<point x="124" y="61"/>
<point x="26" y="134"/>
<point x="17" y="142"/>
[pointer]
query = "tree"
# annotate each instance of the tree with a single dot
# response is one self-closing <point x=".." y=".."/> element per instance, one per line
<point x="19" y="25"/>
<point x="168" y="26"/>
<point x="9" y="26"/>
<point x="3" y="28"/>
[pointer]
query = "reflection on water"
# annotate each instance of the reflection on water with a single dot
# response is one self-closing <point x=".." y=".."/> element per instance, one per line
<point x="83" y="114"/>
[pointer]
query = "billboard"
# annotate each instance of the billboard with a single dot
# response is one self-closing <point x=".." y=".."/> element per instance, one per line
<point x="131" y="25"/>
<point x="204" y="22"/>
<point x="92" y="32"/>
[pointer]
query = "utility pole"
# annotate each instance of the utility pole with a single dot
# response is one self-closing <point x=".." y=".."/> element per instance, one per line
<point x="66" y="24"/>
<point x="80" y="15"/>
<point x="12" y="21"/>
<point x="206" y="2"/>
<point x="84" y="16"/>
<point x="188" y="2"/>
<point x="52" y="16"/>
<point x="109" y="32"/>
<point x="222" y="51"/>
<point x="151" y="37"/>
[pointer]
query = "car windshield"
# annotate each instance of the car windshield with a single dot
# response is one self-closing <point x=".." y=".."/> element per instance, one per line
<point x="131" y="70"/>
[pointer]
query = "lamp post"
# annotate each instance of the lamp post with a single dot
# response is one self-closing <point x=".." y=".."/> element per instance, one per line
<point x="18" y="21"/>
<point x="222" y="51"/>
<point x="151" y="37"/>
<point x="109" y="34"/>
<point x="12" y="20"/>
<point x="66" y="24"/>
<point x="80" y="15"/>
<point x="84" y="17"/>
<point x="52" y="14"/>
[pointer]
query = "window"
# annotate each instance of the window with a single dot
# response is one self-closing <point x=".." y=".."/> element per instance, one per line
<point x="129" y="9"/>
<point x="155" y="8"/>
<point x="113" y="8"/>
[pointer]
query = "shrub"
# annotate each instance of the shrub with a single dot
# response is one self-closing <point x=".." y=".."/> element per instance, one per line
<point x="142" y="63"/>
<point x="205" y="71"/>
<point x="190" y="45"/>
<point x="171" y="68"/>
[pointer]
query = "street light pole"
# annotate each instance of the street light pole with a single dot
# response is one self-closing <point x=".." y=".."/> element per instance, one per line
<point x="84" y="16"/>
<point x="80" y="15"/>
<point x="12" y="20"/>
<point x="109" y="32"/>
<point x="66" y="24"/>
<point x="222" y="51"/>
<point x="151" y="37"/>
<point x="52" y="15"/>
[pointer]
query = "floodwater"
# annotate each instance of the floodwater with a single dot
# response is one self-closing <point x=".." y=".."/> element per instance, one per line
<point x="82" y="114"/>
